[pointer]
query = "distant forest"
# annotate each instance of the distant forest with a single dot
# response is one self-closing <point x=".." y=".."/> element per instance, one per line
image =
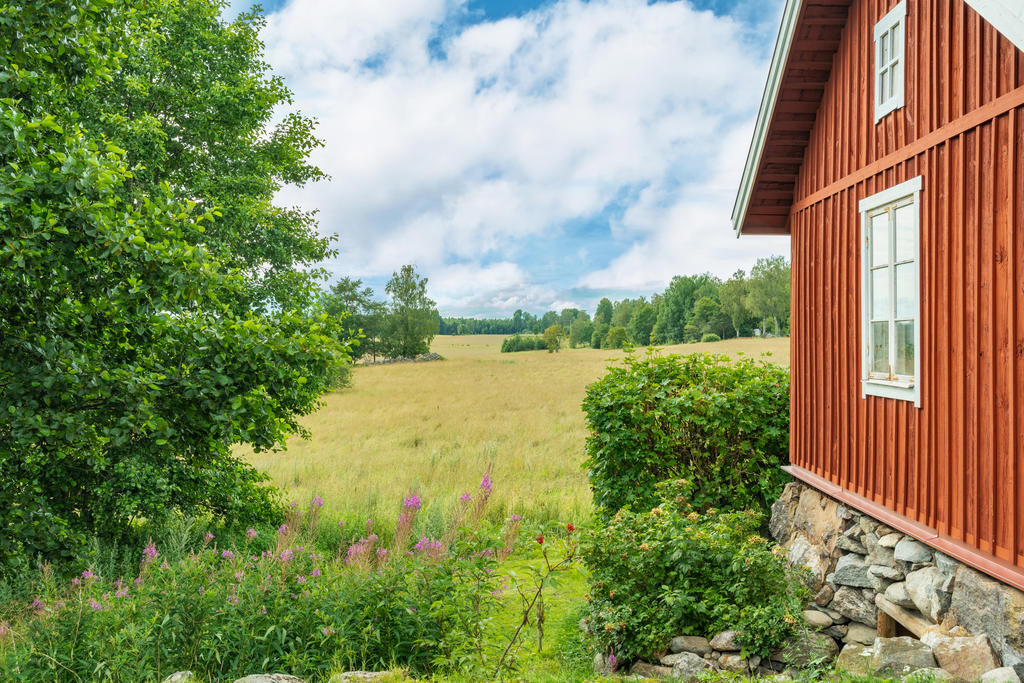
<point x="691" y="307"/>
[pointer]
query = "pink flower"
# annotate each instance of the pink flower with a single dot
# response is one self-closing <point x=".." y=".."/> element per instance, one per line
<point x="300" y="579"/>
<point x="282" y="530"/>
<point x="5" y="629"/>
<point x="613" y="662"/>
<point x="517" y="518"/>
<point x="233" y="599"/>
<point x="76" y="581"/>
<point x="38" y="605"/>
<point x="227" y="555"/>
<point x="96" y="605"/>
<point x="328" y="631"/>
<point x="250" y="533"/>
<point x="263" y="611"/>
<point x="485" y="484"/>
<point x="239" y="576"/>
<point x="287" y="555"/>
<point x="465" y="498"/>
<point x="315" y="573"/>
<point x="207" y="537"/>
<point x="149" y="552"/>
<point x="138" y="581"/>
<point x="317" y="503"/>
<point x="122" y="593"/>
<point x="412" y="502"/>
<point x="88" y="576"/>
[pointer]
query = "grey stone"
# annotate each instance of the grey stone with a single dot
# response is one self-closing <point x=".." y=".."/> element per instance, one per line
<point x="852" y="604"/>
<point x="732" y="663"/>
<point x="860" y="633"/>
<point x="805" y="648"/>
<point x="967" y="658"/>
<point x="925" y="588"/>
<point x="645" y="670"/>
<point x="180" y="677"/>
<point x="855" y="659"/>
<point x="269" y="678"/>
<point x="836" y="617"/>
<point x="888" y="573"/>
<point x="881" y="555"/>
<point x="844" y="512"/>
<point x="837" y="631"/>
<point x="816" y="558"/>
<point x="753" y="662"/>
<point x="867" y="525"/>
<point x="909" y="550"/>
<point x="946" y="564"/>
<point x="1006" y="674"/>
<point x="726" y="642"/>
<point x="696" y="644"/>
<point x="852" y="571"/>
<point x="878" y="584"/>
<point x="817" y="620"/>
<point x="897" y="594"/>
<point x="928" y="675"/>
<point x="851" y="544"/>
<point x="783" y="510"/>
<point x="899" y="656"/>
<point x="824" y="596"/>
<point x="689" y="666"/>
<point x="890" y="540"/>
<point x="884" y="530"/>
<point x="983" y="605"/>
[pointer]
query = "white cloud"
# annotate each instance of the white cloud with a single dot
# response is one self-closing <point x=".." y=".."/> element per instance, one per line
<point x="527" y="124"/>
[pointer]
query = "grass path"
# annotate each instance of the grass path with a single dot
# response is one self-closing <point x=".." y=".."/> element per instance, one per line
<point x="436" y="428"/>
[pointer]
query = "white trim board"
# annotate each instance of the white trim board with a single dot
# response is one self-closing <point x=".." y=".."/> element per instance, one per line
<point x="1007" y="16"/>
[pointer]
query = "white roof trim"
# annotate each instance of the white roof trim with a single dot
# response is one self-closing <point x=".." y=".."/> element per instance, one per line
<point x="764" y="115"/>
<point x="1007" y="16"/>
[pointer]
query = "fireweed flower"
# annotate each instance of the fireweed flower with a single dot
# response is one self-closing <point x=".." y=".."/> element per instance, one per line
<point x="88" y="576"/>
<point x="613" y="662"/>
<point x="122" y="593"/>
<point x="5" y="629"/>
<point x="233" y="599"/>
<point x="517" y="518"/>
<point x="316" y="572"/>
<point x="282" y="530"/>
<point x="96" y="605"/>
<point x="382" y="554"/>
<point x="149" y="553"/>
<point x="207" y="537"/>
<point x="239" y="576"/>
<point x="76" y="581"/>
<point x="227" y="555"/>
<point x="38" y="605"/>
<point x="300" y="579"/>
<point x="328" y="631"/>
<point x="465" y="498"/>
<point x="412" y="502"/>
<point x="317" y="503"/>
<point x="485" y="485"/>
<point x="287" y="555"/>
<point x="250" y="533"/>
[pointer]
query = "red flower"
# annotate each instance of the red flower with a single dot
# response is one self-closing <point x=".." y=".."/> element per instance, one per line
<point x="540" y="540"/>
<point x="570" y="528"/>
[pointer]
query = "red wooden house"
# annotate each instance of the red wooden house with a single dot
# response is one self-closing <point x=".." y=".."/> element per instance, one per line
<point x="890" y="147"/>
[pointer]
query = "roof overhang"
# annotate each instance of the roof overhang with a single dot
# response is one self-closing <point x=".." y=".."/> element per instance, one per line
<point x="801" y="64"/>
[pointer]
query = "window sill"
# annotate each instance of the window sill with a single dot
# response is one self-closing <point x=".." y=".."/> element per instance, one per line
<point x="898" y="389"/>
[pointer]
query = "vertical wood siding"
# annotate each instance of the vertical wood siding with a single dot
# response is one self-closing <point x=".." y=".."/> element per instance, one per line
<point x="956" y="464"/>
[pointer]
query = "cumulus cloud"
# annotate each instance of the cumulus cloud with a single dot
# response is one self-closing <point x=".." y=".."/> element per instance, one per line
<point x="467" y="148"/>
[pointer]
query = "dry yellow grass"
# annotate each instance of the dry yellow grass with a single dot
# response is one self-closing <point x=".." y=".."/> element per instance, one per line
<point x="436" y="428"/>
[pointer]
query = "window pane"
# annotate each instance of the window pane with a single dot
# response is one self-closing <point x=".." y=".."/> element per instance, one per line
<point x="879" y="239"/>
<point x="880" y="294"/>
<point x="906" y="294"/>
<point x="883" y="50"/>
<point x="880" y="348"/>
<point x="892" y="82"/>
<point x="883" y="91"/>
<point x="905" y="230"/>
<point x="905" y="348"/>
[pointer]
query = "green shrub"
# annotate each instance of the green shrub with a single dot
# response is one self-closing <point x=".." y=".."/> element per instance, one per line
<point x="710" y="337"/>
<point x="673" y="570"/>
<point x="519" y="342"/>
<point x="699" y="417"/>
<point x="616" y="338"/>
<point x="226" y="612"/>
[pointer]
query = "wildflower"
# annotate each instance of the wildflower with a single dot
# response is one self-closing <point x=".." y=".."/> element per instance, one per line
<point x="341" y="524"/>
<point x="465" y="498"/>
<point x="207" y="537"/>
<point x="250" y="533"/>
<point x="570" y="528"/>
<point x="485" y="484"/>
<point x="38" y="605"/>
<point x="412" y="502"/>
<point x="293" y="504"/>
<point x="96" y="605"/>
<point x="300" y="579"/>
<point x="122" y="593"/>
<point x="76" y="581"/>
<point x="282" y="530"/>
<point x="540" y="540"/>
<point x="517" y="518"/>
<point x="239" y="575"/>
<point x="137" y="581"/>
<point x="149" y="552"/>
<point x="382" y="554"/>
<point x="287" y="555"/>
<point x="233" y="599"/>
<point x="5" y="629"/>
<point x="316" y="571"/>
<point x="328" y="631"/>
<point x="293" y="596"/>
<point x="227" y="555"/>
<point x="317" y="503"/>
<point x="263" y="611"/>
<point x="613" y="662"/>
<point x="88" y="576"/>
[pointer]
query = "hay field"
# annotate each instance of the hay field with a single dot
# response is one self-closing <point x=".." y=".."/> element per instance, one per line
<point x="436" y="427"/>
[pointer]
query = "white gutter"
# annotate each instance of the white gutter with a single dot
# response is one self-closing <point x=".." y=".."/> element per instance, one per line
<point x="764" y="115"/>
<point x="1007" y="16"/>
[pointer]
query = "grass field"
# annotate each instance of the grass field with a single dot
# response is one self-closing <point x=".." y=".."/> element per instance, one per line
<point x="437" y="427"/>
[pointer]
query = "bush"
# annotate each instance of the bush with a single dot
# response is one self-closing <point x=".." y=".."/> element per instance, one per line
<point x="518" y="342"/>
<point x="710" y="337"/>
<point x="225" y="612"/>
<point x="699" y="417"/>
<point x="616" y="338"/>
<point x="673" y="570"/>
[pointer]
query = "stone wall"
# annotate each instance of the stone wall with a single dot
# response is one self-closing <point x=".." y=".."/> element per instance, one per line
<point x="851" y="558"/>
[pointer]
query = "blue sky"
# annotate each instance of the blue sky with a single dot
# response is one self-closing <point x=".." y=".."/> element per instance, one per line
<point x="532" y="154"/>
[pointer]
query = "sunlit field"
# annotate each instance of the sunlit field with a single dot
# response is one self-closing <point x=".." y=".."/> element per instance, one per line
<point x="437" y="427"/>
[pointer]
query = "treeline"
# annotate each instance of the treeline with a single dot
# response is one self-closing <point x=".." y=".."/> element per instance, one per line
<point x="692" y="308"/>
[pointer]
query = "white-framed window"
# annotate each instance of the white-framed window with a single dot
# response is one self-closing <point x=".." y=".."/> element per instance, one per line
<point x="890" y="293"/>
<point x="890" y="41"/>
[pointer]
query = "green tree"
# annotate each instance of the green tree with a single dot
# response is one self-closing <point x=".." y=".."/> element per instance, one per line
<point x="615" y="339"/>
<point x="581" y="331"/>
<point x="641" y="324"/>
<point x="677" y="305"/>
<point x="127" y="370"/>
<point x="708" y="317"/>
<point x="553" y="338"/>
<point x="604" y="312"/>
<point x="769" y="291"/>
<point x="361" y="315"/>
<point x="412" y="319"/>
<point x="732" y="295"/>
<point x="598" y="337"/>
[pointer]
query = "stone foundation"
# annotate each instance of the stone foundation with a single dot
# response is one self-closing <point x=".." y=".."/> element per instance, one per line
<point x="851" y="558"/>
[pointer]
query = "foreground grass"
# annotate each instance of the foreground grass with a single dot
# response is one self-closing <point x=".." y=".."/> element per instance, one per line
<point x="437" y="427"/>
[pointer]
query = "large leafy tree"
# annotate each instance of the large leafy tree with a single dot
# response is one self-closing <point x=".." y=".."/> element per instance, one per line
<point x="412" y="319"/>
<point x="768" y="297"/>
<point x="361" y="315"/>
<point x="128" y="364"/>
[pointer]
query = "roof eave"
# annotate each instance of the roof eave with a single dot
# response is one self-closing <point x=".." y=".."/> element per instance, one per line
<point x="780" y="56"/>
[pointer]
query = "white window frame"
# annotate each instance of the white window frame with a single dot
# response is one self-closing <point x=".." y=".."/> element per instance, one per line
<point x="890" y="33"/>
<point x="893" y="386"/>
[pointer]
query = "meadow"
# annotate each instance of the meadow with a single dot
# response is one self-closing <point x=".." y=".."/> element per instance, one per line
<point x="438" y="427"/>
